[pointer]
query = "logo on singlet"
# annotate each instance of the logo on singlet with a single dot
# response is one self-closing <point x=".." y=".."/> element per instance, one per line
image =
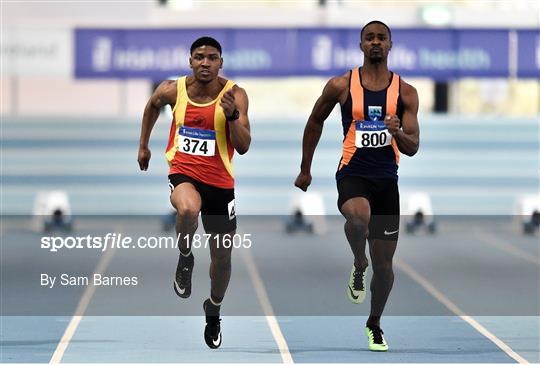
<point x="374" y="113"/>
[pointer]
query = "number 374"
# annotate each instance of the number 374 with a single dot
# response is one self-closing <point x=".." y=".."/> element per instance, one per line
<point x="192" y="147"/>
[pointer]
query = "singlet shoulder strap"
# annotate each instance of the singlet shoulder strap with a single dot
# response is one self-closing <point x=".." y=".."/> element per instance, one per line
<point x="392" y="95"/>
<point x="229" y="85"/>
<point x="180" y="91"/>
<point x="357" y="95"/>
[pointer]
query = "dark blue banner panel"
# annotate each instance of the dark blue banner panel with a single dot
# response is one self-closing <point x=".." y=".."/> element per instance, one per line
<point x="528" y="53"/>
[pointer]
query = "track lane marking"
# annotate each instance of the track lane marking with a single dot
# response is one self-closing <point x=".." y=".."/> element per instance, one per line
<point x="503" y="246"/>
<point x="266" y="306"/>
<point x="62" y="346"/>
<point x="430" y="288"/>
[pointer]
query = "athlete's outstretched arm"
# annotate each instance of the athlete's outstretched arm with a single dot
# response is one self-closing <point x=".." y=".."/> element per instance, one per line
<point x="236" y="98"/>
<point x="407" y="138"/>
<point x="164" y="94"/>
<point x="314" y="126"/>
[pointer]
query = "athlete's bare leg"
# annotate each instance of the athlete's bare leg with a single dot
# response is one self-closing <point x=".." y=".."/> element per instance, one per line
<point x="220" y="266"/>
<point x="382" y="253"/>
<point x="357" y="213"/>
<point x="187" y="202"/>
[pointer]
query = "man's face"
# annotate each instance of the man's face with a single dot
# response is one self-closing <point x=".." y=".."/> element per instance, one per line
<point x="205" y="62"/>
<point x="376" y="43"/>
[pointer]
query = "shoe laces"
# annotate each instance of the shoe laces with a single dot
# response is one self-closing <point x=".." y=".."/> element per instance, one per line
<point x="377" y="334"/>
<point x="213" y="326"/>
<point x="358" y="279"/>
<point x="213" y="321"/>
<point x="183" y="273"/>
<point x="184" y="276"/>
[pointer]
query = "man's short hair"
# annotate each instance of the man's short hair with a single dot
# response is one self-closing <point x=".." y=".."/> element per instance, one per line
<point x="376" y="22"/>
<point x="205" y="41"/>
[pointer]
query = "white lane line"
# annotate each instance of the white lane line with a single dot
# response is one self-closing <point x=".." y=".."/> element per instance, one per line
<point x="430" y="288"/>
<point x="503" y="246"/>
<point x="62" y="346"/>
<point x="266" y="306"/>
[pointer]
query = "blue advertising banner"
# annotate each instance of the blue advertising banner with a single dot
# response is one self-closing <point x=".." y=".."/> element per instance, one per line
<point x="528" y="53"/>
<point x="437" y="53"/>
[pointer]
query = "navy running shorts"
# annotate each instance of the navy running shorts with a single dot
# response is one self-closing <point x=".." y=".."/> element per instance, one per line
<point x="383" y="198"/>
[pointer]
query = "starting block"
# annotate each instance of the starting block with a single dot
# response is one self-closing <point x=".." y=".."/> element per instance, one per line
<point x="527" y="209"/>
<point x="420" y="211"/>
<point x="307" y="214"/>
<point x="52" y="211"/>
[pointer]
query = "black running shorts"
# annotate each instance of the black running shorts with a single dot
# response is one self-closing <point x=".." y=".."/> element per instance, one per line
<point x="383" y="198"/>
<point x="217" y="208"/>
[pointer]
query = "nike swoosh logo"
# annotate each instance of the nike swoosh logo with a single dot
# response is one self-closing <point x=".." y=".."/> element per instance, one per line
<point x="352" y="293"/>
<point x="218" y="340"/>
<point x="389" y="233"/>
<point x="181" y="291"/>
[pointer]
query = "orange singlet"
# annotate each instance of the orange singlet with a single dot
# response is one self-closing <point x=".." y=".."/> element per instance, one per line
<point x="368" y="148"/>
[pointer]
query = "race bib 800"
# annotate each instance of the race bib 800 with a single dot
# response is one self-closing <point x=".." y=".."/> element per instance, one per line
<point x="195" y="141"/>
<point x="372" y="134"/>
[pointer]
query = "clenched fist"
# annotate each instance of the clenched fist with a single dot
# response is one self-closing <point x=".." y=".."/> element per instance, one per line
<point x="392" y="123"/>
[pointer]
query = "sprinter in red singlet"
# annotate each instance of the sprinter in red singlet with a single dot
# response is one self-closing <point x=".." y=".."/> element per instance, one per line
<point x="379" y="117"/>
<point x="210" y="121"/>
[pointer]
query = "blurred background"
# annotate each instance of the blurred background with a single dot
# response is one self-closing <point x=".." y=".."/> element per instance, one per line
<point x="76" y="76"/>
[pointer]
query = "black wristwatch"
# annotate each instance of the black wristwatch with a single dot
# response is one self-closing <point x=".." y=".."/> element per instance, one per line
<point x="234" y="116"/>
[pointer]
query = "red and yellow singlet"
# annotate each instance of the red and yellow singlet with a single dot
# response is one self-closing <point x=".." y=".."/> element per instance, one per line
<point x="199" y="141"/>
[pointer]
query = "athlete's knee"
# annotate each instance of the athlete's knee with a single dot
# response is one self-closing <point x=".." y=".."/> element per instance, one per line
<point x="358" y="223"/>
<point x="187" y="212"/>
<point x="383" y="270"/>
<point x="187" y="203"/>
<point x="222" y="260"/>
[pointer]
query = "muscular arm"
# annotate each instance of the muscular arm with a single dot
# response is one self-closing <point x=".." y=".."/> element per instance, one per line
<point x="408" y="138"/>
<point x="314" y="126"/>
<point x="240" y="129"/>
<point x="164" y="94"/>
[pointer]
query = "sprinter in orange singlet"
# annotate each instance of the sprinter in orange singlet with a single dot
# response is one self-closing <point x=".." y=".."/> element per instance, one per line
<point x="209" y="123"/>
<point x="379" y="117"/>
